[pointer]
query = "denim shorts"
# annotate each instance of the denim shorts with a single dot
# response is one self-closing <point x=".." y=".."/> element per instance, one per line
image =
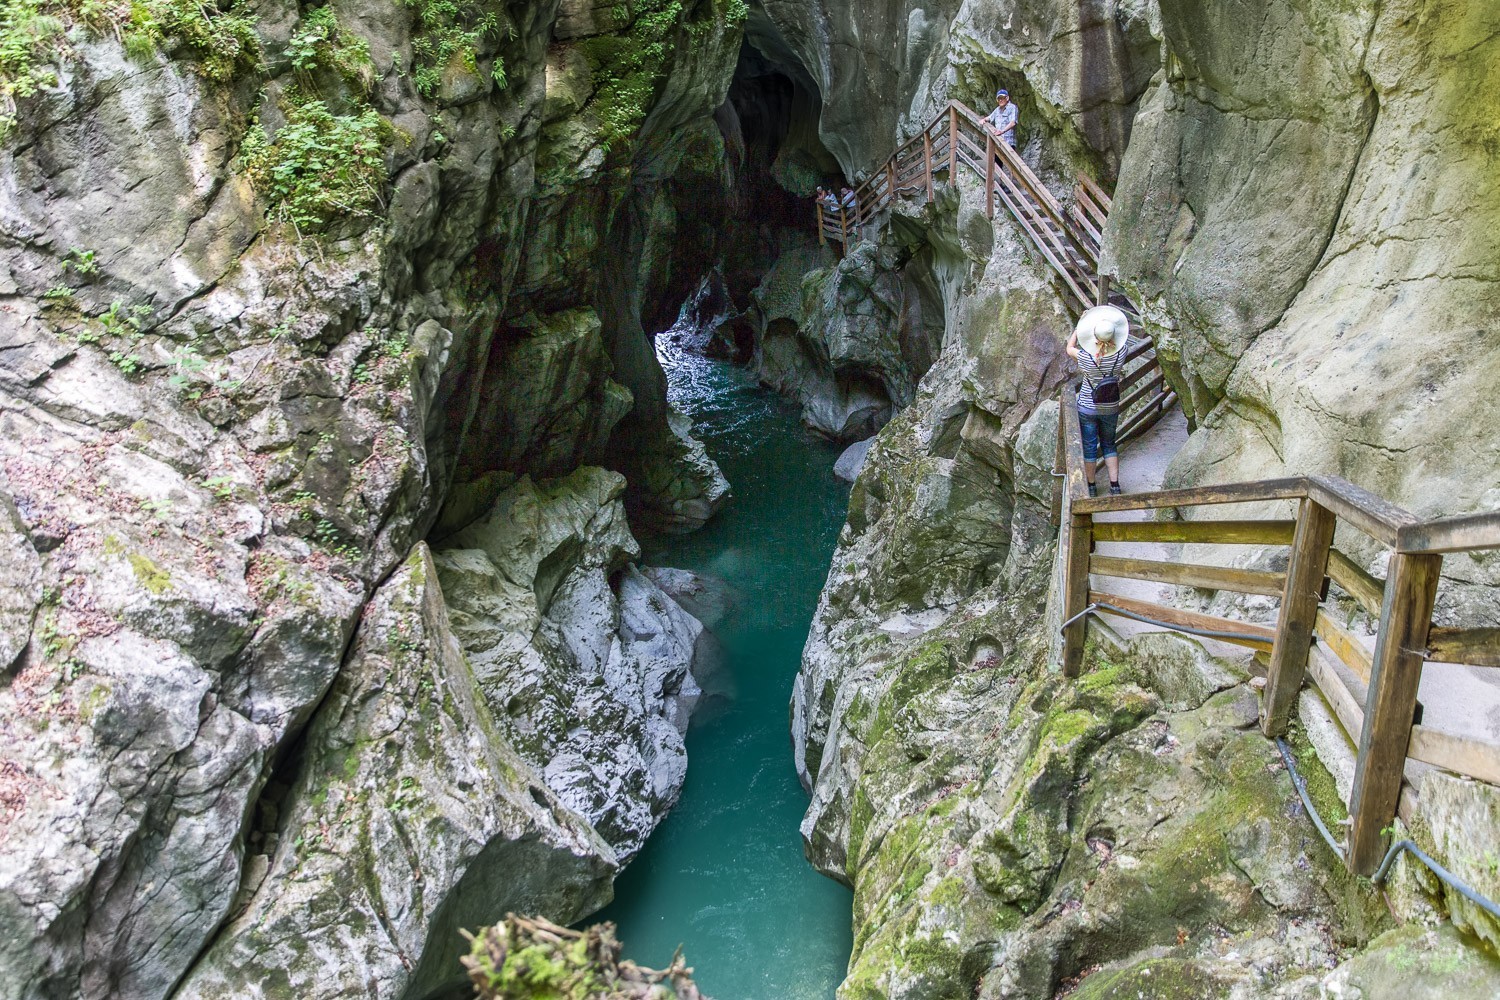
<point x="1098" y="435"/>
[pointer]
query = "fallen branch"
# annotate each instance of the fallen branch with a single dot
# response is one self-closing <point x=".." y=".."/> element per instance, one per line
<point x="527" y="958"/>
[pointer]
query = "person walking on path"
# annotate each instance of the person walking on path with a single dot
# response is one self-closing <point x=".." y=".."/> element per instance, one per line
<point x="1004" y="118"/>
<point x="1098" y="345"/>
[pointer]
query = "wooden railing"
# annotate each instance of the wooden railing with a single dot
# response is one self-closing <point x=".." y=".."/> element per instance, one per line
<point x="1381" y="724"/>
<point x="1068" y="239"/>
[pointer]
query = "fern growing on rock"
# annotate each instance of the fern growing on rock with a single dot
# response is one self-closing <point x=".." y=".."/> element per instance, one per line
<point x="447" y="35"/>
<point x="318" y="164"/>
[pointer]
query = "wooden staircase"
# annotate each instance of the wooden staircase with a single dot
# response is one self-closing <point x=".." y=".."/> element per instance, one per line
<point x="1068" y="239"/>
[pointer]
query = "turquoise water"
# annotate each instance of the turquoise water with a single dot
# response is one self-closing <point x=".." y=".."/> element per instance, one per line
<point x="724" y="874"/>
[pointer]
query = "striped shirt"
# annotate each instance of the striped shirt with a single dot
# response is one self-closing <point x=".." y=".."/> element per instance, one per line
<point x="1093" y="369"/>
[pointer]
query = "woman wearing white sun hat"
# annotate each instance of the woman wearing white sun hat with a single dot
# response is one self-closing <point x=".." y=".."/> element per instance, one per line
<point x="1098" y="345"/>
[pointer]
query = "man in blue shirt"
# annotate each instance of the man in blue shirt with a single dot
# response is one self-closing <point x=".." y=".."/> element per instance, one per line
<point x="1003" y="119"/>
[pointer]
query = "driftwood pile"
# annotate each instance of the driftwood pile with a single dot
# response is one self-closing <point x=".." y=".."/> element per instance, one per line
<point x="527" y="958"/>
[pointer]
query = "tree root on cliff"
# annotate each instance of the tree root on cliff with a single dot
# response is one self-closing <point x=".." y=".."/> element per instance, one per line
<point x="528" y="958"/>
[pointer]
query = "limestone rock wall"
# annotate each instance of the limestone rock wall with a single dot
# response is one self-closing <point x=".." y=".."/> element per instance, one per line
<point x="586" y="663"/>
<point x="1077" y="70"/>
<point x="1319" y="260"/>
<point x="273" y="278"/>
<point x="411" y="819"/>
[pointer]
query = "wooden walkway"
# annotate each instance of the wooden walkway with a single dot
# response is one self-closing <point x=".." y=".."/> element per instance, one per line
<point x="1381" y="720"/>
<point x="1068" y="239"/>
<point x="957" y="138"/>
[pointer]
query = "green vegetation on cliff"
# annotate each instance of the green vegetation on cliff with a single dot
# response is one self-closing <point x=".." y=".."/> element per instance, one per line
<point x="628" y="65"/>
<point x="320" y="42"/>
<point x="35" y="35"/>
<point x="447" y="37"/>
<point x="318" y="164"/>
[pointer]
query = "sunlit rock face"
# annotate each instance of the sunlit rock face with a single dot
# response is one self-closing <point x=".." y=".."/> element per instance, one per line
<point x="586" y="663"/>
<point x="1317" y="259"/>
<point x="411" y="819"/>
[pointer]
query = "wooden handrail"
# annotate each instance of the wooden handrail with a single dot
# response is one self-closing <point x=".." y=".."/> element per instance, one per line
<point x="1470" y="533"/>
<point x="957" y="137"/>
<point x="1294" y="488"/>
<point x="1381" y="728"/>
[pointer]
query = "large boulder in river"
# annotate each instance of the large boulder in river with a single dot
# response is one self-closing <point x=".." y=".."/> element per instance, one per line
<point x="585" y="662"/>
<point x="848" y="342"/>
<point x="412" y="818"/>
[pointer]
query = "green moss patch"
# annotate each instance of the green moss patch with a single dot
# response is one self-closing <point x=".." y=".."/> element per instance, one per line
<point x="151" y="576"/>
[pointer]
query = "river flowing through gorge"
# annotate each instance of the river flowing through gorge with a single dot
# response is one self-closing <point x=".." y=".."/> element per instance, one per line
<point x="724" y="874"/>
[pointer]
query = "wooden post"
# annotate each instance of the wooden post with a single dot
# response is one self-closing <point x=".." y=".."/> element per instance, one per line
<point x="822" y="236"/>
<point x="1299" y="612"/>
<point x="1059" y="464"/>
<point x="844" y="226"/>
<point x="1102" y="298"/>
<point x="952" y="145"/>
<point x="890" y="175"/>
<point x="927" y="159"/>
<point x="1076" y="591"/>
<point x="1405" y="617"/>
<point x="989" y="179"/>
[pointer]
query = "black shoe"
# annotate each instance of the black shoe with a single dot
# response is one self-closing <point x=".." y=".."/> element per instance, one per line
<point x="1093" y="490"/>
<point x="1114" y="489"/>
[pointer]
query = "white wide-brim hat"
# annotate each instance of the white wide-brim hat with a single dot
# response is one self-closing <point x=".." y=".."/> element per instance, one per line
<point x="1102" y="326"/>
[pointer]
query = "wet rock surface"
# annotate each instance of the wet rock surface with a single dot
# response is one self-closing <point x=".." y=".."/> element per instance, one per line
<point x="584" y="661"/>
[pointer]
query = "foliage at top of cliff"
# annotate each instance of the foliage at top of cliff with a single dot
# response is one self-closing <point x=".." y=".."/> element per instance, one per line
<point x="448" y="35"/>
<point x="327" y="157"/>
<point x="320" y="42"/>
<point x="534" y="959"/>
<point x="318" y="164"/>
<point x="628" y="65"/>
<point x="37" y="35"/>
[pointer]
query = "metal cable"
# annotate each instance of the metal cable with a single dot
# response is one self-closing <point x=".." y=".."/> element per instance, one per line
<point x="1301" y="786"/>
<point x="1453" y="881"/>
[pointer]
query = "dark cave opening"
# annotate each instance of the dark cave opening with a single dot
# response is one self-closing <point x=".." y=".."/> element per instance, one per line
<point x="775" y="161"/>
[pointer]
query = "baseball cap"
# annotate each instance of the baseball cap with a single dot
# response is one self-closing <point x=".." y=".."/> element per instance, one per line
<point x="1002" y="93"/>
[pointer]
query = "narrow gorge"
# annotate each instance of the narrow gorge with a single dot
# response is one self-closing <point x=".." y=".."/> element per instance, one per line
<point x="454" y="464"/>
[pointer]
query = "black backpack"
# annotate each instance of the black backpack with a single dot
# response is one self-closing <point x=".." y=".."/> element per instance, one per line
<point x="1107" y="389"/>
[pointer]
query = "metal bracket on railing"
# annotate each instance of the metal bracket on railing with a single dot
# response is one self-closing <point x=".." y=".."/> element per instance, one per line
<point x="1070" y="621"/>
